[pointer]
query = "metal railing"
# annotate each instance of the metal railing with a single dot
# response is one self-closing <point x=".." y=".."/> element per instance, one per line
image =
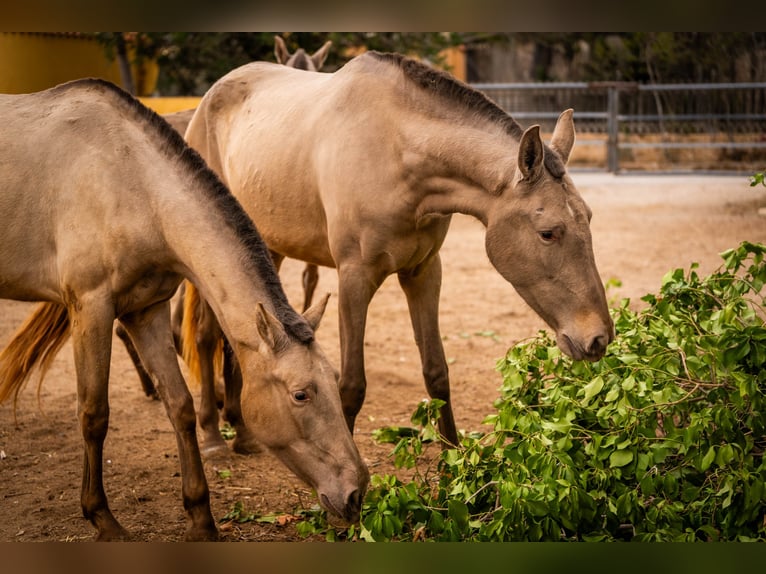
<point x="726" y="120"/>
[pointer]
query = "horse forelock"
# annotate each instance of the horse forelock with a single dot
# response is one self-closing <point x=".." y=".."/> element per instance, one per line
<point x="441" y="83"/>
<point x="258" y="256"/>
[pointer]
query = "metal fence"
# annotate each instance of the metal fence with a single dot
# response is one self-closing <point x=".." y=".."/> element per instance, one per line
<point x="656" y="127"/>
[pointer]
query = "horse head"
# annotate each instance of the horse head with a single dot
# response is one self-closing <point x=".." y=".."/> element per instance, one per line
<point x="539" y="239"/>
<point x="304" y="425"/>
<point x="300" y="59"/>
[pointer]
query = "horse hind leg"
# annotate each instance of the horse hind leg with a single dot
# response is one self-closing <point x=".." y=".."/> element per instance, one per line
<point x="310" y="279"/>
<point x="245" y="442"/>
<point x="208" y="341"/>
<point x="422" y="291"/>
<point x="150" y="330"/>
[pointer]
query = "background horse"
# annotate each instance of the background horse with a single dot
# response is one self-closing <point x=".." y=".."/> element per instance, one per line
<point x="204" y="351"/>
<point x="97" y="198"/>
<point x="362" y="171"/>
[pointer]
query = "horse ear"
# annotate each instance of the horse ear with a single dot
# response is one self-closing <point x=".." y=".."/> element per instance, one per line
<point x="314" y="314"/>
<point x="531" y="153"/>
<point x="321" y="55"/>
<point x="563" y="137"/>
<point x="280" y="50"/>
<point x="270" y="329"/>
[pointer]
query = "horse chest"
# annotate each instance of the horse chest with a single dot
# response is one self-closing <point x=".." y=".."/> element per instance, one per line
<point x="404" y="248"/>
<point x="144" y="290"/>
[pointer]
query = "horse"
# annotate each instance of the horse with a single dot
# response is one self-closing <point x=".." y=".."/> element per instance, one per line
<point x="362" y="172"/>
<point x="105" y="211"/>
<point x="206" y="355"/>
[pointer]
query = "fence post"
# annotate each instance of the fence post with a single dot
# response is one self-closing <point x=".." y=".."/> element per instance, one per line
<point x="613" y="106"/>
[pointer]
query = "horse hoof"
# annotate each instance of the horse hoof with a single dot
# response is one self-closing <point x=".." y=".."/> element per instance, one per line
<point x="246" y="446"/>
<point x="113" y="535"/>
<point x="202" y="535"/>
<point x="215" y="451"/>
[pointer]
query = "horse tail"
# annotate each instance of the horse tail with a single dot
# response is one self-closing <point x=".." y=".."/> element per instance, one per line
<point x="34" y="345"/>
<point x="195" y="315"/>
<point x="189" y="330"/>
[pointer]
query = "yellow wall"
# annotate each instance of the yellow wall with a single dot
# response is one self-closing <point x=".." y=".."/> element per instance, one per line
<point x="30" y="62"/>
<point x="169" y="105"/>
<point x="455" y="58"/>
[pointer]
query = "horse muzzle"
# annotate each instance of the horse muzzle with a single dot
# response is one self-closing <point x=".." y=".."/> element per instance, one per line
<point x="349" y="511"/>
<point x="590" y="347"/>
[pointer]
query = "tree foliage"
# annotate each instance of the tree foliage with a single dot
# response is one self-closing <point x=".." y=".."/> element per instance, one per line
<point x="661" y="440"/>
<point x="190" y="62"/>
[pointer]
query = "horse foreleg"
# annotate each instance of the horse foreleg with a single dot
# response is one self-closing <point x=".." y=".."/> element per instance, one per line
<point x="91" y="320"/>
<point x="356" y="286"/>
<point x="150" y="331"/>
<point x="209" y="335"/>
<point x="177" y="319"/>
<point x="422" y="288"/>
<point x="146" y="380"/>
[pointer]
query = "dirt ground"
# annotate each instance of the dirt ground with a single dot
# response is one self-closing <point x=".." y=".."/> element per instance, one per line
<point x="642" y="226"/>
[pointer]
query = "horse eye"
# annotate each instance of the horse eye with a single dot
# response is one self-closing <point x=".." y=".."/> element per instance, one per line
<point x="546" y="235"/>
<point x="301" y="396"/>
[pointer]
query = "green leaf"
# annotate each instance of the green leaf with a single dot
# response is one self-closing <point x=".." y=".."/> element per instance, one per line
<point x="458" y="512"/>
<point x="620" y="458"/>
<point x="591" y="390"/>
<point x="708" y="459"/>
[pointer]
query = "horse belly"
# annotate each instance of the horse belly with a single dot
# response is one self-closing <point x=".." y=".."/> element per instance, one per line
<point x="296" y="237"/>
<point x="287" y="210"/>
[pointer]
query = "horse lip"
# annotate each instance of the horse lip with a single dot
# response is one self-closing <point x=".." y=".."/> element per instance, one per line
<point x="348" y="515"/>
<point x="570" y="347"/>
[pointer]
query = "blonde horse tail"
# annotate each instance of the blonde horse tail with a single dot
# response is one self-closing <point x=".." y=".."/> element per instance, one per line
<point x="196" y="317"/>
<point x="33" y="346"/>
<point x="189" y="325"/>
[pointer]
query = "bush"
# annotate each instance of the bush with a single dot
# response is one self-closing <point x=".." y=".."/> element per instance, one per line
<point x="661" y="440"/>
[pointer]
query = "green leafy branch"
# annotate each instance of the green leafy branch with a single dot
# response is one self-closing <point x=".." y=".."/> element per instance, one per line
<point x="661" y="440"/>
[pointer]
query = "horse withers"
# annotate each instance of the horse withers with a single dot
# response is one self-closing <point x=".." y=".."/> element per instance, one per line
<point x="105" y="211"/>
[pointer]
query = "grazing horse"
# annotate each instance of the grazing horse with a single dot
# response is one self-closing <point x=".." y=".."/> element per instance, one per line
<point x="362" y="172"/>
<point x="105" y="211"/>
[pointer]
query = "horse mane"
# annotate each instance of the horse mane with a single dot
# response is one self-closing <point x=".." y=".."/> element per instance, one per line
<point x="258" y="256"/>
<point x="445" y="85"/>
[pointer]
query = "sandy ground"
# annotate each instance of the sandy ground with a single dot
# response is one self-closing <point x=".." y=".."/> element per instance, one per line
<point x="643" y="226"/>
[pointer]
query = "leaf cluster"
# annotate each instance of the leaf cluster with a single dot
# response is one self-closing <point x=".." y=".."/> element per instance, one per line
<point x="661" y="440"/>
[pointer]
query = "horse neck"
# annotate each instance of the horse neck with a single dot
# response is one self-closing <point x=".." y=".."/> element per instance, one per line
<point x="211" y="253"/>
<point x="463" y="167"/>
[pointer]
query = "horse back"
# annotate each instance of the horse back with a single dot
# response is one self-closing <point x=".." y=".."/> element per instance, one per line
<point x="71" y="159"/>
<point x="260" y="129"/>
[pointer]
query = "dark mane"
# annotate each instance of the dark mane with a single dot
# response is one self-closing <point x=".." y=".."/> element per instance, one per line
<point x="259" y="259"/>
<point x="438" y="82"/>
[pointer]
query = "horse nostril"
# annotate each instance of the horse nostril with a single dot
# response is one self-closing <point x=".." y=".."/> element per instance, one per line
<point x="354" y="501"/>
<point x="598" y="345"/>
